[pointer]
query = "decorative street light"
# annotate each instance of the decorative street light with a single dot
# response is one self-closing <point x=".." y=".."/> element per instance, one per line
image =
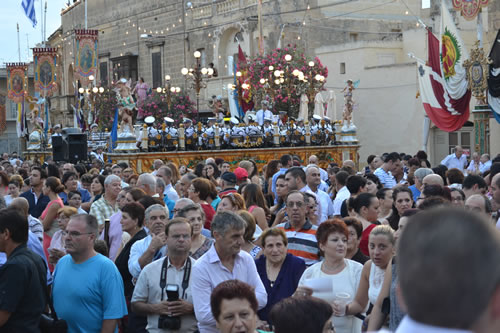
<point x="169" y="90"/>
<point x="196" y="74"/>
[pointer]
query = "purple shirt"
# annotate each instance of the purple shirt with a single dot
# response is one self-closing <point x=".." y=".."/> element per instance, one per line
<point x="208" y="272"/>
<point x="115" y="234"/>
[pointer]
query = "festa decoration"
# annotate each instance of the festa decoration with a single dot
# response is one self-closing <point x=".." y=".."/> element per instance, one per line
<point x="86" y="54"/>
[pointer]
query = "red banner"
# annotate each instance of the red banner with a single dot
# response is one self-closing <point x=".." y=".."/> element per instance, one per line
<point x="17" y="82"/>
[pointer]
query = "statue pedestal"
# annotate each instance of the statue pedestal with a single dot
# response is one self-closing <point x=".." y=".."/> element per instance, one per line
<point x="35" y="141"/>
<point x="482" y="128"/>
<point x="348" y="134"/>
<point x="126" y="143"/>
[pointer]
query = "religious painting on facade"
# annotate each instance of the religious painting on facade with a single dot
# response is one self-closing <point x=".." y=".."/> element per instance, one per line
<point x="16" y="76"/>
<point x="45" y="61"/>
<point x="86" y="55"/>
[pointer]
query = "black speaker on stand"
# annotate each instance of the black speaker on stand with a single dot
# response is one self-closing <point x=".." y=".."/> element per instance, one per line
<point x="77" y="147"/>
<point x="58" y="153"/>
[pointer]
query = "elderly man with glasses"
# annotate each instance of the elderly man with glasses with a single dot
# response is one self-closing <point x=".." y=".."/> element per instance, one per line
<point x="301" y="233"/>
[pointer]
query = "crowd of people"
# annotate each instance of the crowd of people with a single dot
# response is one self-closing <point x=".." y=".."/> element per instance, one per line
<point x="290" y="247"/>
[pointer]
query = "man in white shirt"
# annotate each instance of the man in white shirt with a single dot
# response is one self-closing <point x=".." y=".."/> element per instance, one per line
<point x="224" y="261"/>
<point x="342" y="192"/>
<point x="484" y="163"/>
<point x="151" y="300"/>
<point x="464" y="295"/>
<point x="391" y="162"/>
<point x="147" y="183"/>
<point x="474" y="167"/>
<point x="456" y="160"/>
<point x="165" y="173"/>
<point x="152" y="247"/>
<point x="313" y="178"/>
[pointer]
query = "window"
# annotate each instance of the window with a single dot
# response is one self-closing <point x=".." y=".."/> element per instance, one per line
<point x="353" y="36"/>
<point x="426" y="4"/>
<point x="203" y="58"/>
<point x="156" y="61"/>
<point x="342" y="68"/>
<point x="103" y="72"/>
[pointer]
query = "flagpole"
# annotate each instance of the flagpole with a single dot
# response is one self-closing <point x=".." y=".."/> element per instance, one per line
<point x="85" y="14"/>
<point x="480" y="29"/>
<point x="18" y="43"/>
<point x="41" y="17"/>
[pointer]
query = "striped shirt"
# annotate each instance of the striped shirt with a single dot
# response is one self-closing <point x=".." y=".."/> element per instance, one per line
<point x="385" y="177"/>
<point x="302" y="243"/>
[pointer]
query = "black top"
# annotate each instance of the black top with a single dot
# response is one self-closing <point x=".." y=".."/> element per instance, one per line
<point x="36" y="209"/>
<point x="286" y="282"/>
<point x="121" y="263"/>
<point x="360" y="257"/>
<point x="23" y="279"/>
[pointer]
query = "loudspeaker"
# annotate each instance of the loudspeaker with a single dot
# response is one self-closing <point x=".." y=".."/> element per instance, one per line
<point x="58" y="153"/>
<point x="77" y="147"/>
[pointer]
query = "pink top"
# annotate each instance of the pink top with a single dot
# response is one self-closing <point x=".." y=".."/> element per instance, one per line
<point x="53" y="228"/>
<point x="142" y="90"/>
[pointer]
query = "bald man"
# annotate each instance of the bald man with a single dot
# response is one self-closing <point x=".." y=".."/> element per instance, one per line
<point x="479" y="203"/>
<point x="22" y="206"/>
<point x="456" y="160"/>
<point x="432" y="179"/>
<point x="349" y="163"/>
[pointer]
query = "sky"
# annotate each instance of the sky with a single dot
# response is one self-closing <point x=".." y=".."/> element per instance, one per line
<point x="11" y="12"/>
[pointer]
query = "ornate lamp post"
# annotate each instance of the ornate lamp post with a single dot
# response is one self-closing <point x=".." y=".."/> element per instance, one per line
<point x="196" y="74"/>
<point x="169" y="91"/>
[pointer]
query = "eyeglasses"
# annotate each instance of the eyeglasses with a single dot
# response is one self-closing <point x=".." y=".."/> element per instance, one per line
<point x="297" y="204"/>
<point x="75" y="233"/>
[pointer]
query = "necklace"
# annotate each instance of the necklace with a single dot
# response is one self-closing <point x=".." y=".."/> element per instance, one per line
<point x="272" y="273"/>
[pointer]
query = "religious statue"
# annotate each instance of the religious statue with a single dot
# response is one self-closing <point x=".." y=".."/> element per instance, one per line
<point x="126" y="109"/>
<point x="217" y="106"/>
<point x="349" y="104"/>
<point x="35" y="137"/>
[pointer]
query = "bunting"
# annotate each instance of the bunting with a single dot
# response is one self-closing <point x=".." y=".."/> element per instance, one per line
<point x="494" y="78"/>
<point x="86" y="55"/>
<point x="469" y="8"/>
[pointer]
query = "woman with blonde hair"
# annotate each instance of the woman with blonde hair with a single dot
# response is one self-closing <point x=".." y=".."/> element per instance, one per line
<point x="381" y="247"/>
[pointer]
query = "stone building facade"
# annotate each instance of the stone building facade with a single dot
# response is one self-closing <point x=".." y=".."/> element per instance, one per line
<point x="366" y="40"/>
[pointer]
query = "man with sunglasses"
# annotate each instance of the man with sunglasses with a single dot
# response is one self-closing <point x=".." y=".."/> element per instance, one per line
<point x="88" y="289"/>
<point x="300" y="232"/>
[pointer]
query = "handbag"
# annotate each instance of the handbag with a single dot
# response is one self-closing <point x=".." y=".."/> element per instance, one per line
<point x="49" y="323"/>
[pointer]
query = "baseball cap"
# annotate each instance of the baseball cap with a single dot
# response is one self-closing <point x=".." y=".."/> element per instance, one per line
<point x="240" y="173"/>
<point x="229" y="177"/>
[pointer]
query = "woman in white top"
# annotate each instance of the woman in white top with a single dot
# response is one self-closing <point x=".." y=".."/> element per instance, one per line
<point x="381" y="246"/>
<point x="344" y="274"/>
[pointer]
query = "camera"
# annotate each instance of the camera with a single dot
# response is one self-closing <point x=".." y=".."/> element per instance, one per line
<point x="170" y="322"/>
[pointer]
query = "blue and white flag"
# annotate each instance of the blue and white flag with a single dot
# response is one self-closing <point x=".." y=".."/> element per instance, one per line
<point x="29" y="9"/>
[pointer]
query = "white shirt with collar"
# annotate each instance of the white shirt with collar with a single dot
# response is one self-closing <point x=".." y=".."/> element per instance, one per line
<point x="451" y="161"/>
<point x="483" y="167"/>
<point x="409" y="325"/>
<point x="343" y="194"/>
<point x="136" y="251"/>
<point x="147" y="289"/>
<point x="208" y="272"/>
<point x="171" y="193"/>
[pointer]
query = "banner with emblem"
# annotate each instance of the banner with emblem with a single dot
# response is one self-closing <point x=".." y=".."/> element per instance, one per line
<point x="469" y="9"/>
<point x="86" y="55"/>
<point x="453" y="54"/>
<point x="17" y="86"/>
<point x="45" y="62"/>
<point x="16" y="81"/>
